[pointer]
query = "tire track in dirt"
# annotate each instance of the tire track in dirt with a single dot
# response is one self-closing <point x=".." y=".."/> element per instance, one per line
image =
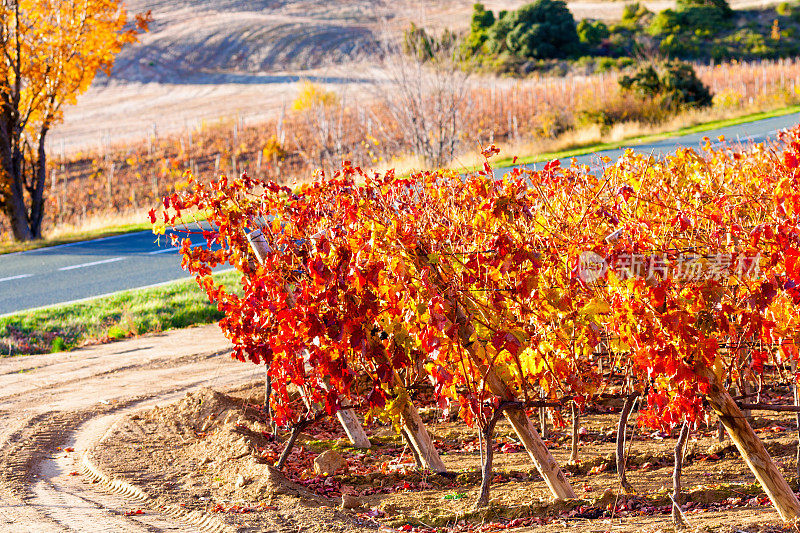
<point x="55" y="401"/>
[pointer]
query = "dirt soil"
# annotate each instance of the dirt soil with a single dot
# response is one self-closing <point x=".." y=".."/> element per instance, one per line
<point x="211" y="452"/>
<point x="169" y="414"/>
<point x="55" y="406"/>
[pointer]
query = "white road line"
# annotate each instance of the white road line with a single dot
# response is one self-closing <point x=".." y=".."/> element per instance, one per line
<point x="173" y="249"/>
<point x="162" y="251"/>
<point x="112" y="260"/>
<point x="20" y="276"/>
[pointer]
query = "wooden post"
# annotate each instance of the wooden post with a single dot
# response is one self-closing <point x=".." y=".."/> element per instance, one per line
<point x="419" y="438"/>
<point x="622" y="428"/>
<point x="347" y="418"/>
<point x="352" y="427"/>
<point x="524" y="428"/>
<point x="576" y="417"/>
<point x="543" y="419"/>
<point x="677" y="513"/>
<point x="751" y="448"/>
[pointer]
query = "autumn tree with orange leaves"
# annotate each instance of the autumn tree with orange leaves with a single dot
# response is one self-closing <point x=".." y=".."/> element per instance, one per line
<point x="51" y="52"/>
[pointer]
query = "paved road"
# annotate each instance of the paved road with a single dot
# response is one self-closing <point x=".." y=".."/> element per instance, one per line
<point x="83" y="270"/>
<point x="76" y="271"/>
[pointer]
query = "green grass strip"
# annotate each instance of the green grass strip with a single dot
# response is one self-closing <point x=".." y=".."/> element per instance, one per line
<point x="124" y="314"/>
<point x="628" y="141"/>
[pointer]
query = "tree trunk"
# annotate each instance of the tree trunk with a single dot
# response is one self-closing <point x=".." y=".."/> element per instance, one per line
<point x="621" y="432"/>
<point x="17" y="214"/>
<point x="293" y="434"/>
<point x="486" y="466"/>
<point x="37" y="194"/>
<point x="751" y="448"/>
<point x="677" y="514"/>
<point x="14" y="201"/>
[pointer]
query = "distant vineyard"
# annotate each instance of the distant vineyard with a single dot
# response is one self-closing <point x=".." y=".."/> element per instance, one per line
<point x="131" y="177"/>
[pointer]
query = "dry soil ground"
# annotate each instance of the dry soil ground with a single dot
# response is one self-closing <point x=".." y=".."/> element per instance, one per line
<point x="54" y="402"/>
<point x="207" y="452"/>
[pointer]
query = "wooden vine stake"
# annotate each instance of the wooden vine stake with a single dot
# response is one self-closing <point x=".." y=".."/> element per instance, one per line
<point x="523" y="426"/>
<point x="355" y="432"/>
<point x="751" y="448"/>
<point x="413" y="427"/>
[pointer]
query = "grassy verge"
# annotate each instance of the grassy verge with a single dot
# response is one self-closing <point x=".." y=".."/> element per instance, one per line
<point x="124" y="314"/>
<point x="598" y="147"/>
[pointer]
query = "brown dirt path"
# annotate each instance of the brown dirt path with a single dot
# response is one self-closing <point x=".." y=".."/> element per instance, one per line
<point x="54" y="402"/>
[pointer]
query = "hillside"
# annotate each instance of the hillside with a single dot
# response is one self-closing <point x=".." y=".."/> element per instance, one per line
<point x="218" y="59"/>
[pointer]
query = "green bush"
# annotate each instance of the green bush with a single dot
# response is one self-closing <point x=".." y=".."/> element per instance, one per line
<point x="58" y="345"/>
<point x="541" y="30"/>
<point x="419" y="43"/>
<point x="482" y="20"/>
<point x="720" y="6"/>
<point x="635" y="14"/>
<point x="703" y="18"/>
<point x="591" y="33"/>
<point x="666" y="22"/>
<point x="674" y="83"/>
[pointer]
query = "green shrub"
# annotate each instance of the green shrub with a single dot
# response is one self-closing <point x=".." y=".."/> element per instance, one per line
<point x="591" y="33"/>
<point x="666" y="22"/>
<point x="419" y="43"/>
<point x="482" y="20"/>
<point x="541" y="30"/>
<point x="720" y="6"/>
<point x="622" y="107"/>
<point x="116" y="332"/>
<point x="58" y="345"/>
<point x="635" y="14"/>
<point x="674" y="83"/>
